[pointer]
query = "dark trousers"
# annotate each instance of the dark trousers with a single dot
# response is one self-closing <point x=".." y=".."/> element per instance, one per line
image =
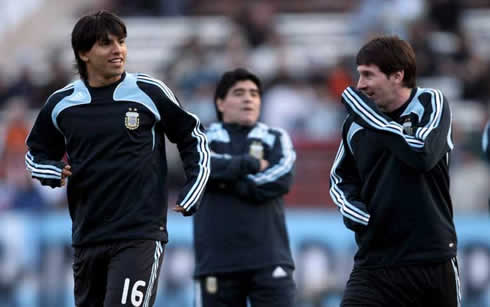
<point x="430" y="285"/>
<point x="121" y="273"/>
<point x="268" y="287"/>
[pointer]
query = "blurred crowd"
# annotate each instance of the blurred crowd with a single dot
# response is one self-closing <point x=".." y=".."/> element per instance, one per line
<point x="303" y="99"/>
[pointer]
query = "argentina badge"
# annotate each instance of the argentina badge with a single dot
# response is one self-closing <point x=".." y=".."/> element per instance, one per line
<point x="257" y="150"/>
<point x="132" y="119"/>
<point x="211" y="284"/>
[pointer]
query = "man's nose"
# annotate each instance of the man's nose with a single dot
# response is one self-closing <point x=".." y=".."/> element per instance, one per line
<point x="117" y="48"/>
<point x="247" y="97"/>
<point x="360" y="83"/>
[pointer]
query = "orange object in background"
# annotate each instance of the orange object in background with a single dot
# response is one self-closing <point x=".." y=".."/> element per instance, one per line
<point x="15" y="138"/>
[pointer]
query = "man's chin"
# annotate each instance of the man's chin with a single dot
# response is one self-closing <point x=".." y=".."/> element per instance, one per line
<point x="115" y="74"/>
<point x="382" y="108"/>
<point x="248" y="122"/>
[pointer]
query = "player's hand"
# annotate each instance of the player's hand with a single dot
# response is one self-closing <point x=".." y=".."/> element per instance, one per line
<point x="179" y="209"/>
<point x="263" y="164"/>
<point x="66" y="172"/>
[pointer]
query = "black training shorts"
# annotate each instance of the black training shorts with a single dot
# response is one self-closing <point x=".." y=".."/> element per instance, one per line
<point x="123" y="273"/>
<point x="419" y="285"/>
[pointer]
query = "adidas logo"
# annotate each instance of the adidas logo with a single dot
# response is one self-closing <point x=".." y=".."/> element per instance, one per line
<point x="279" y="272"/>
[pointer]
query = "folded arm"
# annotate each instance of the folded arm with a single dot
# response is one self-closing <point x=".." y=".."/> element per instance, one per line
<point x="431" y="140"/>
<point x="276" y="179"/>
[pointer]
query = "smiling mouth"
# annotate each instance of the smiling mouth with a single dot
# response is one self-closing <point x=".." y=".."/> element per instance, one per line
<point x="116" y="61"/>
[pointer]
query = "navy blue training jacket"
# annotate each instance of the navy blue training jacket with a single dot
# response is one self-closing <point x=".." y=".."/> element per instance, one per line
<point x="390" y="179"/>
<point x="241" y="224"/>
<point x="113" y="137"/>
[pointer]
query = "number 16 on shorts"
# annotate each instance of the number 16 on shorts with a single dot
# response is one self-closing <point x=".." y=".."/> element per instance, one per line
<point x="136" y="294"/>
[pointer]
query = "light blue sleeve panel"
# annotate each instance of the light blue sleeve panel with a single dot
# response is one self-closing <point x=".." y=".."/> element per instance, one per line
<point x="128" y="90"/>
<point x="79" y="96"/>
<point x="354" y="127"/>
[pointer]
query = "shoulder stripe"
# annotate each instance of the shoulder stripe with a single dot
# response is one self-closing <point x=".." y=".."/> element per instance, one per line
<point x="376" y="120"/>
<point x="435" y="116"/>
<point x="161" y="85"/>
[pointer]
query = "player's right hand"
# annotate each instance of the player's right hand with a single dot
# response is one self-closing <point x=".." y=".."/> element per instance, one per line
<point x="65" y="173"/>
<point x="263" y="164"/>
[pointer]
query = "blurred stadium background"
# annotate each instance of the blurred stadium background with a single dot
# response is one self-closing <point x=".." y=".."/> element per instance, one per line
<point x="303" y="51"/>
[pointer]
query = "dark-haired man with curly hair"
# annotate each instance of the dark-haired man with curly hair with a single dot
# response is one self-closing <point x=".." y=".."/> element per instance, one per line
<point x="240" y="236"/>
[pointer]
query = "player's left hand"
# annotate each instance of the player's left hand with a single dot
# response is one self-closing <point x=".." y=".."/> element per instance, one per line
<point x="179" y="209"/>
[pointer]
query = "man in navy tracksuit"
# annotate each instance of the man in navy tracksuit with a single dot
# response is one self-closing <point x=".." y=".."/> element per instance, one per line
<point x="390" y="181"/>
<point x="112" y="126"/>
<point x="240" y="237"/>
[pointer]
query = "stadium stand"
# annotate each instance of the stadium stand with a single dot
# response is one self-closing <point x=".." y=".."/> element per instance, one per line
<point x="311" y="44"/>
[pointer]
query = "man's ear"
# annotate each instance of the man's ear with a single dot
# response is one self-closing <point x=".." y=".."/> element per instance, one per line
<point x="83" y="56"/>
<point x="398" y="76"/>
<point x="220" y="103"/>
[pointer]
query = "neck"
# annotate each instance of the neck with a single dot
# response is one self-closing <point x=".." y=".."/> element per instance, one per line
<point x="99" y="81"/>
<point x="400" y="98"/>
<point x="237" y="124"/>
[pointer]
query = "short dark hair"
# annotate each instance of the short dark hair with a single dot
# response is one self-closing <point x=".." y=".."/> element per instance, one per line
<point x="228" y="80"/>
<point x="390" y="54"/>
<point x="91" y="28"/>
